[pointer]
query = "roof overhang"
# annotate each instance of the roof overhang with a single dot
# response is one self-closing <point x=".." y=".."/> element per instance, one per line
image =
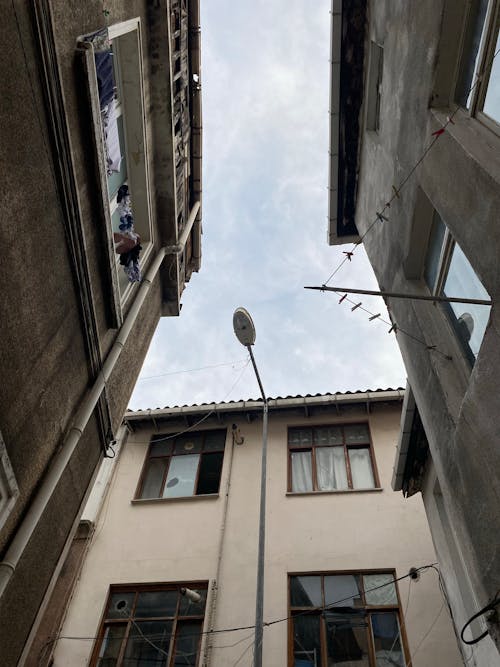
<point x="306" y="404"/>
<point x="347" y="50"/>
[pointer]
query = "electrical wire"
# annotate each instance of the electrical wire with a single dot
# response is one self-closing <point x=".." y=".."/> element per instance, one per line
<point x="200" y="421"/>
<point x="191" y="370"/>
<point x="315" y="610"/>
<point x="431" y="628"/>
<point x="491" y="606"/>
<point x="244" y="652"/>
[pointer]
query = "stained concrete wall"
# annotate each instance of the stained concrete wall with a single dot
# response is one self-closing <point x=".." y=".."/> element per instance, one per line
<point x="44" y="354"/>
<point x="177" y="540"/>
<point x="460" y="176"/>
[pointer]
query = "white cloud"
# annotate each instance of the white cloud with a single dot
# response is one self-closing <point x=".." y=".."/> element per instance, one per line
<point x="265" y="118"/>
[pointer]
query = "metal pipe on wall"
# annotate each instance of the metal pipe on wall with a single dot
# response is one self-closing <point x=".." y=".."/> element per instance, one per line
<point x="49" y="484"/>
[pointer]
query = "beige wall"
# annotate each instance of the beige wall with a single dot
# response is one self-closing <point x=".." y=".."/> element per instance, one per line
<point x="177" y="540"/>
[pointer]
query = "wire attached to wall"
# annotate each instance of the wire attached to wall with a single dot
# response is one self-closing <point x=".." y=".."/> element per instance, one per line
<point x="490" y="607"/>
<point x="382" y="216"/>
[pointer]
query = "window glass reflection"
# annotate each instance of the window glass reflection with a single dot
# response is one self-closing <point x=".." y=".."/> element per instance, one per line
<point x="469" y="320"/>
<point x="306" y="641"/>
<point x="305" y="591"/>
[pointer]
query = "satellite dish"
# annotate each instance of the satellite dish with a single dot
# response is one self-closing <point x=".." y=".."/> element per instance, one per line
<point x="243" y="327"/>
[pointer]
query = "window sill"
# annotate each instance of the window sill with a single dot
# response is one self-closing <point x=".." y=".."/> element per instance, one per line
<point x="148" y="501"/>
<point x="333" y="492"/>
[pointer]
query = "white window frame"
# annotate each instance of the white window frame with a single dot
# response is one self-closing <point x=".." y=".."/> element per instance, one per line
<point x="128" y="35"/>
<point x="485" y="54"/>
<point x="9" y="490"/>
<point x="443" y="266"/>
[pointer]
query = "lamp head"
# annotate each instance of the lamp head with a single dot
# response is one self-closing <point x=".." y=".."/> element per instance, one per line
<point x="243" y="326"/>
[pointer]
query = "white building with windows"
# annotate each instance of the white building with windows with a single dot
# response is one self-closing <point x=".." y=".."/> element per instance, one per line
<point x="415" y="177"/>
<point x="179" y="512"/>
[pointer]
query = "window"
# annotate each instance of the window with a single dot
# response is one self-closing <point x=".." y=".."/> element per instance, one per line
<point x="150" y="625"/>
<point x="481" y="42"/>
<point x="448" y="272"/>
<point x="9" y="491"/>
<point x="187" y="465"/>
<point x="115" y="71"/>
<point x="330" y="458"/>
<point x="348" y="618"/>
<point x="375" y="70"/>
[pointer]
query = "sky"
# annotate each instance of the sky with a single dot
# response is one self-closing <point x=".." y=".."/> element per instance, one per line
<point x="265" y="87"/>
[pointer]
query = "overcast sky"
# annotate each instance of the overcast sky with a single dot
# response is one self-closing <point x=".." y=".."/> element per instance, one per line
<point x="265" y="85"/>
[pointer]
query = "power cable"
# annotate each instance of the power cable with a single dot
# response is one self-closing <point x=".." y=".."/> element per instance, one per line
<point x="191" y="370"/>
<point x="491" y="606"/>
<point x="314" y="610"/>
<point x="200" y="421"/>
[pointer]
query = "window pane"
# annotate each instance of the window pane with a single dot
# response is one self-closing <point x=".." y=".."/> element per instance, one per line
<point x="162" y="448"/>
<point x="385" y="590"/>
<point x="214" y="440"/>
<point x="301" y="463"/>
<point x="140" y="652"/>
<point x="347" y="639"/>
<point x="181" y="476"/>
<point x="361" y="468"/>
<point x="305" y="591"/>
<point x="330" y="435"/>
<point x="431" y="270"/>
<point x="330" y="468"/>
<point x="120" y="605"/>
<point x="492" y="100"/>
<point x="187" y="643"/>
<point x="342" y="586"/>
<point x="189" y="443"/>
<point x="117" y="178"/>
<point x="156" y="603"/>
<point x="111" y="644"/>
<point x="188" y="608"/>
<point x="306" y="641"/>
<point x="469" y="321"/>
<point x="210" y="471"/>
<point x="356" y="433"/>
<point x="387" y="640"/>
<point x="300" y="437"/>
<point x="153" y="477"/>
<point x="472" y="41"/>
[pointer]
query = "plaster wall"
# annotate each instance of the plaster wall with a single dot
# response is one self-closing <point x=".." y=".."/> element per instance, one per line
<point x="460" y="177"/>
<point x="177" y="540"/>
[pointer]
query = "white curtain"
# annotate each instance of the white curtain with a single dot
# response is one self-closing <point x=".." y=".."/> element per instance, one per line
<point x="361" y="469"/>
<point x="301" y="472"/>
<point x="330" y="468"/>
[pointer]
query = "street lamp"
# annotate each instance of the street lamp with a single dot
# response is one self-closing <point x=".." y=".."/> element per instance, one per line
<point x="245" y="332"/>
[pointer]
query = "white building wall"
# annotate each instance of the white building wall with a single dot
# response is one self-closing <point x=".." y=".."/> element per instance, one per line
<point x="177" y="540"/>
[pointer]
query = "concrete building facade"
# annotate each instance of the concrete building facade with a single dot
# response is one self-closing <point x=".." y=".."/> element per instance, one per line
<point x="100" y="128"/>
<point x="181" y="511"/>
<point x="422" y="161"/>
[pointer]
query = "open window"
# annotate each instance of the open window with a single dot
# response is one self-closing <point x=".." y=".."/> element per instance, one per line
<point x="478" y="85"/>
<point x="448" y="272"/>
<point x="114" y="66"/>
<point x="374" y="90"/>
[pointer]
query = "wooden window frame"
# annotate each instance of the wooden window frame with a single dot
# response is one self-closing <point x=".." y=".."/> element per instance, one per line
<point x="169" y="457"/>
<point x="346" y="446"/>
<point x="369" y="609"/>
<point x="105" y="622"/>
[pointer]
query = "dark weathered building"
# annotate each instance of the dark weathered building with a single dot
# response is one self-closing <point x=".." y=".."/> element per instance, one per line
<point x="100" y="127"/>
<point x="426" y="188"/>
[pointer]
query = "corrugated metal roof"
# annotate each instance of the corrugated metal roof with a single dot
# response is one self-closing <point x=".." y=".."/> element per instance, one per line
<point x="270" y="398"/>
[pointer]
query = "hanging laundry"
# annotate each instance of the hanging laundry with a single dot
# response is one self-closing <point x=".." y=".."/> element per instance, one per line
<point x="127" y="240"/>
<point x="111" y="137"/>
<point x="105" y="76"/>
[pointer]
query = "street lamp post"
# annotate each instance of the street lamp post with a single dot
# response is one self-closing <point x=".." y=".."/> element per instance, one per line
<point x="245" y="332"/>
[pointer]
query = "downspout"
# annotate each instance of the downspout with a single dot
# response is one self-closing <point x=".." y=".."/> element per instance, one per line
<point x="212" y="603"/>
<point x="57" y="467"/>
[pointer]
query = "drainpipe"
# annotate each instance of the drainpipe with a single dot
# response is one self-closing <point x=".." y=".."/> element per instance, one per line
<point x="212" y="603"/>
<point x="63" y="456"/>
